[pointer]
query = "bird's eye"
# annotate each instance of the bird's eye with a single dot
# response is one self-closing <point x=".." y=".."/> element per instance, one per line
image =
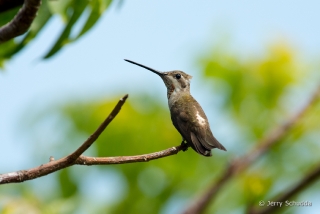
<point x="178" y="76"/>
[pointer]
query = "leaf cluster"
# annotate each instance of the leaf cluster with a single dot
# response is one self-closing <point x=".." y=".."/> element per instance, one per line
<point x="70" y="11"/>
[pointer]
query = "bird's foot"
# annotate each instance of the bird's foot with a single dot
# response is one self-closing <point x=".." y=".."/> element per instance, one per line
<point x="184" y="146"/>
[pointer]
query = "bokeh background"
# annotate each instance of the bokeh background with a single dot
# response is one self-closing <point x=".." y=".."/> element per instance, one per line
<point x="254" y="64"/>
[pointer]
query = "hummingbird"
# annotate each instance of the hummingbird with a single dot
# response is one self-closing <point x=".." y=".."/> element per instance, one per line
<point x="186" y="114"/>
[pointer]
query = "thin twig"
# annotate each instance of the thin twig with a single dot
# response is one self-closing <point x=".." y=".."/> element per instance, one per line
<point x="55" y="165"/>
<point x="301" y="185"/>
<point x="21" y="22"/>
<point x="240" y="164"/>
<point x="84" y="160"/>
<point x="97" y="133"/>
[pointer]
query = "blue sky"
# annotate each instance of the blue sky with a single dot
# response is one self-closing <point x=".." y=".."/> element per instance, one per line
<point x="164" y="34"/>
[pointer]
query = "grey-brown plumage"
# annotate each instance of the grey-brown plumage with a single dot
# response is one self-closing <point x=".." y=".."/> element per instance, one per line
<point x="186" y="113"/>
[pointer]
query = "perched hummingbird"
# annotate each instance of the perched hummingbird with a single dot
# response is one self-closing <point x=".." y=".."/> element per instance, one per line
<point x="186" y="113"/>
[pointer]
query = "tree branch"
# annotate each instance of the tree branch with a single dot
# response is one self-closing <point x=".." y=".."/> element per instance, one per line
<point x="55" y="165"/>
<point x="84" y="160"/>
<point x="301" y="185"/>
<point x="240" y="164"/>
<point x="21" y="22"/>
<point x="75" y="158"/>
<point x="72" y="157"/>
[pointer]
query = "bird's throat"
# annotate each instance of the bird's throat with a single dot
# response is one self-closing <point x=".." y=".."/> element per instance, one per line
<point x="170" y="91"/>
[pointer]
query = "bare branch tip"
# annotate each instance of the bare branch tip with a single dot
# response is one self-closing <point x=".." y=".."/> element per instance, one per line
<point x="124" y="97"/>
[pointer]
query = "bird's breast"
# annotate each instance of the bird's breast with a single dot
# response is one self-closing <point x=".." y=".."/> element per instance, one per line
<point x="189" y="106"/>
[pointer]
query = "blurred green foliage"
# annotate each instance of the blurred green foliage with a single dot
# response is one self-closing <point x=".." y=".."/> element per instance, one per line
<point x="69" y="10"/>
<point x="257" y="86"/>
<point x="258" y="94"/>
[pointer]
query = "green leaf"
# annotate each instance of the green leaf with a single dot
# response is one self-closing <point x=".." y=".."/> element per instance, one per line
<point x="43" y="16"/>
<point x="61" y="7"/>
<point x="4" y="48"/>
<point x="7" y="16"/>
<point x="78" y="8"/>
<point x="97" y="8"/>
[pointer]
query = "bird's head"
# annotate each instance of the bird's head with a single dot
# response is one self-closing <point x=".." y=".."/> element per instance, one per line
<point x="176" y="81"/>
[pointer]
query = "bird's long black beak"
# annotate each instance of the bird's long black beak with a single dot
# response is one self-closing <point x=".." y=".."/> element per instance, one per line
<point x="150" y="69"/>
